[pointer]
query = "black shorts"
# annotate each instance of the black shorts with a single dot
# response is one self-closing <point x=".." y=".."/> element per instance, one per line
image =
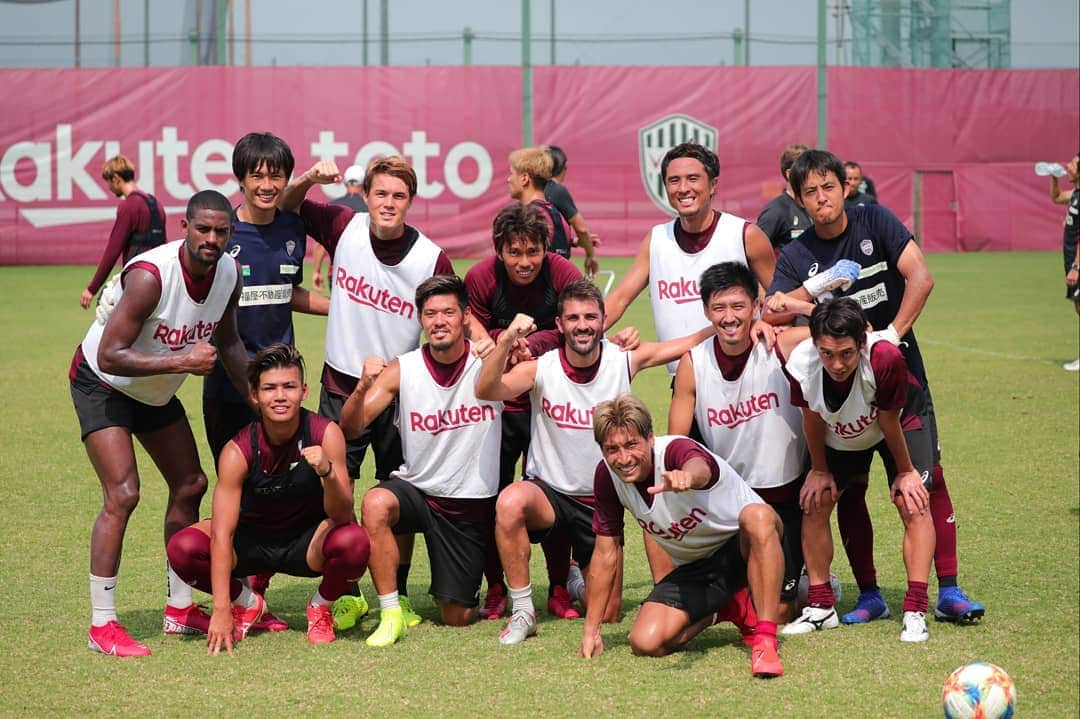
<point x="703" y="587"/>
<point x="224" y="420"/>
<point x="516" y="433"/>
<point x="381" y="434"/>
<point x="572" y="518"/>
<point x="273" y="551"/>
<point x="455" y="547"/>
<point x="847" y="465"/>
<point x="99" y="407"/>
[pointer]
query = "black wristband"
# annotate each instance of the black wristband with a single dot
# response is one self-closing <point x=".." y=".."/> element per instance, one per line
<point x="329" y="469"/>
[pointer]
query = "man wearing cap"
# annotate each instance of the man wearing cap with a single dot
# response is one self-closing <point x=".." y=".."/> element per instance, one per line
<point x="354" y="199"/>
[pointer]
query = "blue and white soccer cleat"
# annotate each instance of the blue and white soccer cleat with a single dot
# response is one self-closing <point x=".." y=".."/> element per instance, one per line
<point x="871" y="606"/>
<point x="839" y="277"/>
<point x="955" y="606"/>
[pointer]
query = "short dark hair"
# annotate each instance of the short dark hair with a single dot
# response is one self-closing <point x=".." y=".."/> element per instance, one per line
<point x="694" y="151"/>
<point x="840" y="317"/>
<point x="853" y="165"/>
<point x="788" y="157"/>
<point x="518" y="221"/>
<point x="581" y="290"/>
<point x="558" y="159"/>
<point x="208" y="200"/>
<point x="724" y="276"/>
<point x="256" y="149"/>
<point x="275" y="356"/>
<point x="818" y="162"/>
<point x="442" y="285"/>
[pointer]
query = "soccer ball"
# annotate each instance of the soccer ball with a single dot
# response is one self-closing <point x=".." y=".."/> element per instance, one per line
<point x="804" y="588"/>
<point x="979" y="690"/>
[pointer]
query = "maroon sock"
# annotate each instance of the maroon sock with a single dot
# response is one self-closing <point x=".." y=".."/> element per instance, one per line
<point x="857" y="533"/>
<point x="941" y="511"/>
<point x="189" y="557"/>
<point x="347" y="551"/>
<point x="916" y="599"/>
<point x="556" y="548"/>
<point x="820" y="595"/>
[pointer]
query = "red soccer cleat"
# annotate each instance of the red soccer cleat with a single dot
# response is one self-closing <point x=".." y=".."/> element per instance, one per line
<point x="320" y="624"/>
<point x="561" y="605"/>
<point x="244" y="618"/>
<point x="189" y="620"/>
<point x="494" y="603"/>
<point x="764" y="660"/>
<point x="113" y="639"/>
<point x="270" y="622"/>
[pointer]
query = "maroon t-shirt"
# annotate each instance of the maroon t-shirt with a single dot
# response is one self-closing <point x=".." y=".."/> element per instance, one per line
<point x="132" y="215"/>
<point x="481" y="283"/>
<point x="694" y="242"/>
<point x="608" y="513"/>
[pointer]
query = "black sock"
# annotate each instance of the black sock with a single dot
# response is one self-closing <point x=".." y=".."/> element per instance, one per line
<point x="403" y="580"/>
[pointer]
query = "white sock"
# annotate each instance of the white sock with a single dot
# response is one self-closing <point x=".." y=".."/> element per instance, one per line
<point x="389" y="601"/>
<point x="319" y="600"/>
<point x="521" y="599"/>
<point x="179" y="596"/>
<point x="102" y="600"/>
<point x="247" y="597"/>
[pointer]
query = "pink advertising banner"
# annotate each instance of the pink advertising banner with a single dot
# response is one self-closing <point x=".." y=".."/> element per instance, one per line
<point x="951" y="152"/>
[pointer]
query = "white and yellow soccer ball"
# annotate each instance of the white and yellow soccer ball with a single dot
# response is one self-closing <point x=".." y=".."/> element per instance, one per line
<point x="979" y="690"/>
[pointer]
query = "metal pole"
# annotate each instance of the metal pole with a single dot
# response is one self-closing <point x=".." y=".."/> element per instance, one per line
<point x="247" y="33"/>
<point x="821" y="93"/>
<point x="552" y="32"/>
<point x="146" y="33"/>
<point x="526" y="75"/>
<point x="467" y="36"/>
<point x="737" y="41"/>
<point x="746" y="26"/>
<point x="365" y="44"/>
<point x="384" y="33"/>
<point x="78" y="49"/>
<point x="116" y="33"/>
<point x="222" y="7"/>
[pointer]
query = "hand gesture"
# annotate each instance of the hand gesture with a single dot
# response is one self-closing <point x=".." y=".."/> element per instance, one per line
<point x="323" y="172"/>
<point x="318" y="280"/>
<point x="814" y="489"/>
<point x="628" y="339"/>
<point x="909" y="489"/>
<point x="373" y="367"/>
<point x="86" y="298"/>
<point x="762" y="330"/>
<point x="316" y="459"/>
<point x="201" y="359"/>
<point x="220" y="633"/>
<point x="591" y="266"/>
<point x="520" y="327"/>
<point x="482" y="348"/>
<point x="675" y="480"/>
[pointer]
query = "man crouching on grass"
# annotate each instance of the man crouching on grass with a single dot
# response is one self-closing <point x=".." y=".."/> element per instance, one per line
<point x="283" y="503"/>
<point x="718" y="533"/>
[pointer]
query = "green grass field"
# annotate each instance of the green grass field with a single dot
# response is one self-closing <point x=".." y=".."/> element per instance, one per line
<point x="994" y="336"/>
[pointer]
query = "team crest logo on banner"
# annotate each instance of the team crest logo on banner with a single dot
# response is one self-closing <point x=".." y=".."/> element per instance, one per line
<point x="656" y="139"/>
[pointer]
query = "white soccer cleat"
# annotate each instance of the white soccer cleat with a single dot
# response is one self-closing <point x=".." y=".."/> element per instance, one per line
<point x="521" y="626"/>
<point x="914" y="627"/>
<point x="1073" y="366"/>
<point x="812" y="619"/>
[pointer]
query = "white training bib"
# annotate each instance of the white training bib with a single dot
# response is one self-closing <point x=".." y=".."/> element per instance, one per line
<point x="449" y="438"/>
<point x="372" y="311"/>
<point x="688" y="525"/>
<point x="174" y="326"/>
<point x="855" y="425"/>
<point x="673" y="276"/>
<point x="562" y="451"/>
<point x="750" y="421"/>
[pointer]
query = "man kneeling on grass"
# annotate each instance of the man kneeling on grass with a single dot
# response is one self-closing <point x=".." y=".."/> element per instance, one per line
<point x="719" y="534"/>
<point x="283" y="503"/>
